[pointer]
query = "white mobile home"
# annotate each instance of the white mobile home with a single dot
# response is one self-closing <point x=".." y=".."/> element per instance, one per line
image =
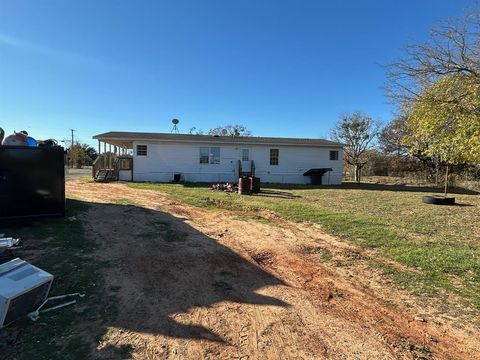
<point x="205" y="158"/>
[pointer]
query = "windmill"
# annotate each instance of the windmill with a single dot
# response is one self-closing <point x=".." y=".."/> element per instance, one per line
<point x="175" y="127"/>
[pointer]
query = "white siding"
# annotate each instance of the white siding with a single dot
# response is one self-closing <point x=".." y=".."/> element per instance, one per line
<point x="164" y="159"/>
<point x="124" y="175"/>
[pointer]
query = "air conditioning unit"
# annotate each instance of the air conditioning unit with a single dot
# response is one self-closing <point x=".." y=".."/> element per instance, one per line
<point x="23" y="288"/>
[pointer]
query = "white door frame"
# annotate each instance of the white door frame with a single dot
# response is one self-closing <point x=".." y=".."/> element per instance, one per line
<point x="246" y="165"/>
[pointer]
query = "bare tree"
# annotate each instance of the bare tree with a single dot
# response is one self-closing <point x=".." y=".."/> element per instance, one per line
<point x="390" y="137"/>
<point x="453" y="49"/>
<point x="357" y="131"/>
<point x="230" y="130"/>
<point x="392" y="141"/>
<point x="195" y="131"/>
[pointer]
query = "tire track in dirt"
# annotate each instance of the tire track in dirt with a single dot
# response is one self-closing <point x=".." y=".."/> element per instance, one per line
<point x="328" y="316"/>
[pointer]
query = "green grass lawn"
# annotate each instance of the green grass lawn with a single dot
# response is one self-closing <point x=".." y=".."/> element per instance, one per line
<point x="439" y="245"/>
<point x="60" y="247"/>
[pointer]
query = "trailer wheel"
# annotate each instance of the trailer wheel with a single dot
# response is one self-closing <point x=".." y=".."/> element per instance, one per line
<point x="438" y="200"/>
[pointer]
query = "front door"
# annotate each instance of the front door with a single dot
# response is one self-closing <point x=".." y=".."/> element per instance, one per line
<point x="245" y="158"/>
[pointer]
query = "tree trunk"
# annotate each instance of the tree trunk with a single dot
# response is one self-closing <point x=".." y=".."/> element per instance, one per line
<point x="446" y="182"/>
<point x="357" y="173"/>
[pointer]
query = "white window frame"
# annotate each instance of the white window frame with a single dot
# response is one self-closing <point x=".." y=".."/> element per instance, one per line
<point x="245" y="152"/>
<point x="143" y="151"/>
<point x="212" y="158"/>
<point x="270" y="157"/>
<point x="205" y="156"/>
<point x="336" y="154"/>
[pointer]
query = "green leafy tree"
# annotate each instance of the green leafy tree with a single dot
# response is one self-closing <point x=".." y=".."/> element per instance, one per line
<point x="90" y="152"/>
<point x="81" y="155"/>
<point x="436" y="85"/>
<point x="444" y="122"/>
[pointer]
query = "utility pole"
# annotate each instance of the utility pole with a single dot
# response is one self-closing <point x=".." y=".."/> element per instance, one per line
<point x="72" y="130"/>
<point x="71" y="146"/>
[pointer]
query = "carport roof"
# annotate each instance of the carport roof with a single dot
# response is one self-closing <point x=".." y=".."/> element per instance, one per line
<point x="126" y="139"/>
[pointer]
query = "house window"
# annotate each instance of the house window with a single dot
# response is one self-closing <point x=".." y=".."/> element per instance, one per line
<point x="333" y="154"/>
<point x="245" y="155"/>
<point x="214" y="155"/>
<point x="141" y="150"/>
<point x="274" y="156"/>
<point x="209" y="155"/>
<point x="204" y="151"/>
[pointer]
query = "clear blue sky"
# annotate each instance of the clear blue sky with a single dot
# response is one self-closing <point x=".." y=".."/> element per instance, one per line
<point x="282" y="68"/>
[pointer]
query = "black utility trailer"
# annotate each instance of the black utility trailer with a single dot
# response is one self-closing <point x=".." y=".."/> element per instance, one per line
<point x="32" y="182"/>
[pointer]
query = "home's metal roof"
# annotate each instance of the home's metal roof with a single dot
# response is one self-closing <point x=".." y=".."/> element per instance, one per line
<point x="121" y="137"/>
<point x="317" y="171"/>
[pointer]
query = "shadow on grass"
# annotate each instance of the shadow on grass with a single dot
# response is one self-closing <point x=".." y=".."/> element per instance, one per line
<point x="350" y="185"/>
<point x="406" y="188"/>
<point x="277" y="194"/>
<point x="373" y="187"/>
<point x="148" y="266"/>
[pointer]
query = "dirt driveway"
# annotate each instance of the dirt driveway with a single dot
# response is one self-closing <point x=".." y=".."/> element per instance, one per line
<point x="201" y="284"/>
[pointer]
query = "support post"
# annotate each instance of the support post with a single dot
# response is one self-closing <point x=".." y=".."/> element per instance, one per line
<point x="110" y="156"/>
<point x="446" y="182"/>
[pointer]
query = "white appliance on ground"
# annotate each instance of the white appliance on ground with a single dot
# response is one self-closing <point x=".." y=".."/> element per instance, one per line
<point x="23" y="288"/>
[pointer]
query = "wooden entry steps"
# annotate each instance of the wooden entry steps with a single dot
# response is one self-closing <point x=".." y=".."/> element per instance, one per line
<point x="105" y="175"/>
